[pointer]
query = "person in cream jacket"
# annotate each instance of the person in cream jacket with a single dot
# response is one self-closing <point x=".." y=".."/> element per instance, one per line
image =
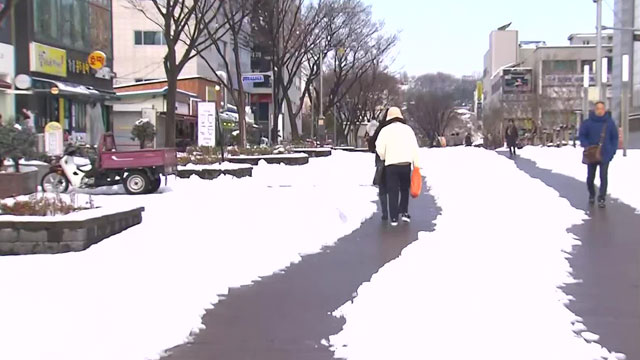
<point x="398" y="147"/>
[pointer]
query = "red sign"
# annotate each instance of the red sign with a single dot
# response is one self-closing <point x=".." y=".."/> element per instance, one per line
<point x="260" y="98"/>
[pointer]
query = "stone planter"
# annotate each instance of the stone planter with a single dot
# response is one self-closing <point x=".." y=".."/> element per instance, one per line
<point x="16" y="184"/>
<point x="210" y="174"/>
<point x="351" y="149"/>
<point x="287" y="159"/>
<point x="314" y="152"/>
<point x="35" y="235"/>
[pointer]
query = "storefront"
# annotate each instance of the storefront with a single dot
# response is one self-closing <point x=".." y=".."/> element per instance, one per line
<point x="53" y="51"/>
<point x="6" y="69"/>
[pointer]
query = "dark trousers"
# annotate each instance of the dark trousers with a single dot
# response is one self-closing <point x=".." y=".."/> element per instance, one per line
<point x="604" y="179"/>
<point x="398" y="182"/>
<point x="384" y="203"/>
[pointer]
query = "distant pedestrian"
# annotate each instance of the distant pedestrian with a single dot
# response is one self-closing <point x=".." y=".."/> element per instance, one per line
<point x="599" y="136"/>
<point x="379" y="178"/>
<point x="397" y="146"/>
<point x="511" y="136"/>
<point x="467" y="140"/>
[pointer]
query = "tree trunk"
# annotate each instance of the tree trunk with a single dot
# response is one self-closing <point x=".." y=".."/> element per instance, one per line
<point x="142" y="143"/>
<point x="242" y="116"/>
<point x="170" y="120"/>
<point x="295" y="135"/>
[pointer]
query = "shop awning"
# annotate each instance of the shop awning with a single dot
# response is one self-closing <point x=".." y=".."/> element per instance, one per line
<point x="72" y="89"/>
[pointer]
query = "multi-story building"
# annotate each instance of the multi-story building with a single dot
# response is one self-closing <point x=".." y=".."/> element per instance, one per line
<point x="540" y="86"/>
<point x="7" y="68"/>
<point x="53" y="41"/>
<point x="627" y="17"/>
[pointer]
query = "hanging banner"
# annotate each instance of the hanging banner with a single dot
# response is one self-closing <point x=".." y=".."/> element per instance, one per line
<point x="53" y="139"/>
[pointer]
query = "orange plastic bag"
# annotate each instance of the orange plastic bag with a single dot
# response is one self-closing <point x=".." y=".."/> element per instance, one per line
<point x="416" y="182"/>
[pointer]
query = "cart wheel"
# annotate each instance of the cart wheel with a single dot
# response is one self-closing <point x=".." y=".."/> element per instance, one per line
<point x="155" y="185"/>
<point x="52" y="182"/>
<point x="136" y="183"/>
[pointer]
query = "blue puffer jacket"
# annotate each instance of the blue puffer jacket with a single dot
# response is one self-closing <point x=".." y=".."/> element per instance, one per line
<point x="591" y="131"/>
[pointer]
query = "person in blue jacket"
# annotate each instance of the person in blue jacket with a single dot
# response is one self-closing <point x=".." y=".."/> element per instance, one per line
<point x="590" y="135"/>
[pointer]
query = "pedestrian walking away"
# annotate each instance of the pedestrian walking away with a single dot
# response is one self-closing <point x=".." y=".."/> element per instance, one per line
<point x="511" y="136"/>
<point x="397" y="146"/>
<point x="378" y="179"/>
<point x="600" y="134"/>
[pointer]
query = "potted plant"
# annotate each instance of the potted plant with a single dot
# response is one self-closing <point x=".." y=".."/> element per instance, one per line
<point x="144" y="132"/>
<point x="17" y="143"/>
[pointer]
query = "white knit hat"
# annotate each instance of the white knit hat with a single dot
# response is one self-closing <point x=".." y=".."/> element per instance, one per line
<point x="394" y="113"/>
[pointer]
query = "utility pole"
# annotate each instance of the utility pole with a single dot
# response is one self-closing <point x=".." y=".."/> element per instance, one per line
<point x="625" y="103"/>
<point x="321" y="130"/>
<point x="585" y="97"/>
<point x="599" y="75"/>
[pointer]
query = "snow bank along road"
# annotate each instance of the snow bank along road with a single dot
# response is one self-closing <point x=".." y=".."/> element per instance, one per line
<point x="145" y="290"/>
<point x="483" y="285"/>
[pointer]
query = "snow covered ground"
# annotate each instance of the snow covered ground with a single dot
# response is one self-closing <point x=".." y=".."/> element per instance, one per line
<point x="484" y="285"/>
<point x="145" y="290"/>
<point x="624" y="172"/>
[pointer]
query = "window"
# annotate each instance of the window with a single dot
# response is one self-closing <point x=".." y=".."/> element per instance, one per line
<point x="586" y="42"/>
<point x="46" y="18"/>
<point x="560" y="67"/>
<point x="149" y="38"/>
<point x="74" y="24"/>
<point x="80" y="25"/>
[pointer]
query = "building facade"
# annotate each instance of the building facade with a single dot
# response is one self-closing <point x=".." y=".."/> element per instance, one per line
<point x="7" y="68"/>
<point x="53" y="42"/>
<point x="540" y="87"/>
<point x="627" y="16"/>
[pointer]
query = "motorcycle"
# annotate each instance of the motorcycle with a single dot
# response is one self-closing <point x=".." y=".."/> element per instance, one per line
<point x="75" y="168"/>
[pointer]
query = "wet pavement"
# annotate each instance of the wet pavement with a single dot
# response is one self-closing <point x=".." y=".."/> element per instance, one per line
<point x="286" y="316"/>
<point x="607" y="262"/>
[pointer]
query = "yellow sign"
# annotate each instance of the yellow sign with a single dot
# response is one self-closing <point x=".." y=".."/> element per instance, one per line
<point x="97" y="60"/>
<point x="479" y="90"/>
<point x="48" y="60"/>
<point x="53" y="126"/>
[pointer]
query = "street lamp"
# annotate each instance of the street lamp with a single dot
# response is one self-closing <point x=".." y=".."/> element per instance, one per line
<point x="599" y="74"/>
<point x="220" y="137"/>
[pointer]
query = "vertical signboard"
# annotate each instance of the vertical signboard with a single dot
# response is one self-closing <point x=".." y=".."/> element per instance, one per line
<point x="53" y="139"/>
<point x="206" y="124"/>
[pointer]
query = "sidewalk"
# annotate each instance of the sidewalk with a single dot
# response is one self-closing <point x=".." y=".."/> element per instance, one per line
<point x="607" y="262"/>
<point x="287" y="316"/>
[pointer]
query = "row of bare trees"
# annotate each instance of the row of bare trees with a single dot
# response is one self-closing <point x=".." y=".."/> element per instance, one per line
<point x="299" y="34"/>
<point x="432" y="99"/>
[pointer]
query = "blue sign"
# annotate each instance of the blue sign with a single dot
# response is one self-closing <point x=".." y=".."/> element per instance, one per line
<point x="253" y="78"/>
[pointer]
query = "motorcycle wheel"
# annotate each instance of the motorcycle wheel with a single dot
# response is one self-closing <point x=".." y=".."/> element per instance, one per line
<point x="53" y="182"/>
<point x="136" y="183"/>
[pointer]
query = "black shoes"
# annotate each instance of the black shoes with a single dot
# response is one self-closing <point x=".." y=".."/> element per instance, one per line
<point x="602" y="204"/>
<point x="406" y="218"/>
<point x="592" y="200"/>
<point x="394" y="222"/>
<point x="385" y="217"/>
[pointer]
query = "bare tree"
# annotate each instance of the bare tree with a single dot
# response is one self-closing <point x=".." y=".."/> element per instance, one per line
<point x="236" y="14"/>
<point x="185" y="25"/>
<point x="291" y="28"/>
<point x="432" y="99"/>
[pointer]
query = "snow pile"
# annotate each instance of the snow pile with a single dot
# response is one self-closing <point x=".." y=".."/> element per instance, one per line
<point x="624" y="172"/>
<point x="484" y="285"/>
<point x="145" y="290"/>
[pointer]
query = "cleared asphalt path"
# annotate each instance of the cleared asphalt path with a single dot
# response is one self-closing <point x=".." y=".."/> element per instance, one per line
<point x="607" y="262"/>
<point x="287" y="315"/>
